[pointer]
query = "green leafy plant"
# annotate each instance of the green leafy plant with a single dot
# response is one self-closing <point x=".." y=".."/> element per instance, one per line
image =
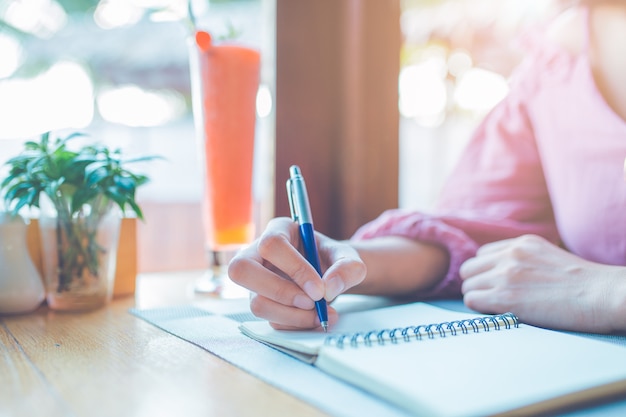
<point x="82" y="185"/>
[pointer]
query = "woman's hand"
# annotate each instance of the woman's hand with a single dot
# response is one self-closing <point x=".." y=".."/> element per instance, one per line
<point x="545" y="285"/>
<point x="284" y="285"/>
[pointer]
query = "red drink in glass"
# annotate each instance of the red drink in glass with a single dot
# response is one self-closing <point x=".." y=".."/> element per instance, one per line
<point x="225" y="81"/>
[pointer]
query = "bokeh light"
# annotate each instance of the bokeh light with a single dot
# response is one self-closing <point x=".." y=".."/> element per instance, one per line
<point x="116" y="13"/>
<point x="264" y="101"/>
<point x="479" y="90"/>
<point x="11" y="53"/>
<point x="42" y="18"/>
<point x="131" y="105"/>
<point x="59" y="98"/>
<point x="422" y="91"/>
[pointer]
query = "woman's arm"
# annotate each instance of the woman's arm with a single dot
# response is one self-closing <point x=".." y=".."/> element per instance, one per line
<point x="399" y="266"/>
<point x="284" y="285"/>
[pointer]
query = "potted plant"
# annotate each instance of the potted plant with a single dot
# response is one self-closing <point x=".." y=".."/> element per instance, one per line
<point x="81" y="194"/>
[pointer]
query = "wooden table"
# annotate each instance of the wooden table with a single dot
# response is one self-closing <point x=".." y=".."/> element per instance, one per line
<point x="110" y="363"/>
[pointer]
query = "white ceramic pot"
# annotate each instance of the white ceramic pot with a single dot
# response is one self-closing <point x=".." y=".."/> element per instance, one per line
<point x="21" y="287"/>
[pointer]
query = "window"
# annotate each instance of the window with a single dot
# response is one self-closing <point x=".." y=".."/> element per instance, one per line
<point x="118" y="70"/>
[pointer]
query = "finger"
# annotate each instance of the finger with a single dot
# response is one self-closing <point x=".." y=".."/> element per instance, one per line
<point x="343" y="274"/>
<point x="479" y="264"/>
<point x="345" y="267"/>
<point x="285" y="317"/>
<point x="333" y="318"/>
<point x="528" y="240"/>
<point x="247" y="270"/>
<point x="479" y="282"/>
<point x="278" y="246"/>
<point x="494" y="247"/>
<point x="483" y="301"/>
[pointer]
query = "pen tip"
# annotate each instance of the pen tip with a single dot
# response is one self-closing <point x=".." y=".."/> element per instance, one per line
<point x="325" y="326"/>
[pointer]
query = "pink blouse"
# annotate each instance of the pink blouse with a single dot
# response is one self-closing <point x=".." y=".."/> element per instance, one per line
<point x="547" y="160"/>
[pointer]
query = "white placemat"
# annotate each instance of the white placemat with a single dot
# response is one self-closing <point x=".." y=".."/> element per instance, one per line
<point x="215" y="329"/>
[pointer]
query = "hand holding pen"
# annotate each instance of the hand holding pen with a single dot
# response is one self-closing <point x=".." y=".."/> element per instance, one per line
<point x="284" y="285"/>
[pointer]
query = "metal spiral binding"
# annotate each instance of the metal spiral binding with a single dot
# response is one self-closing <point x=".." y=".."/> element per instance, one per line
<point x="429" y="331"/>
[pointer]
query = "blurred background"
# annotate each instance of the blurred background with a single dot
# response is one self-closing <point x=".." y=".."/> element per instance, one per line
<point x="118" y="70"/>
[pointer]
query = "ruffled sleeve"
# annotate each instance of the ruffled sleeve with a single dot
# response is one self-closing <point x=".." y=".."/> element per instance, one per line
<point x="430" y="229"/>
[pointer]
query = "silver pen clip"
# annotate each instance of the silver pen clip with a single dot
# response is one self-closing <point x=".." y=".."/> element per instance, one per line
<point x="292" y="208"/>
<point x="297" y="196"/>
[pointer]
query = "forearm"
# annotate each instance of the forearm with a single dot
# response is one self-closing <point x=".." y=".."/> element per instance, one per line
<point x="399" y="266"/>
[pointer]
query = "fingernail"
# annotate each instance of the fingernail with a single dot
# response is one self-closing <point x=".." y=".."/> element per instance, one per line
<point x="334" y="287"/>
<point x="303" y="302"/>
<point x="312" y="290"/>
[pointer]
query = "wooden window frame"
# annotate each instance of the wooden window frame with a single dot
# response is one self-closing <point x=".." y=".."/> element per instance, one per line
<point x="337" y="66"/>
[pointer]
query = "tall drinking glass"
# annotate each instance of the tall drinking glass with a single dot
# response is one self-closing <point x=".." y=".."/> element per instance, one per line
<point x="225" y="80"/>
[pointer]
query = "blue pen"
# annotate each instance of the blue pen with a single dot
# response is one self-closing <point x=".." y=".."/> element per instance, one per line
<point x="301" y="213"/>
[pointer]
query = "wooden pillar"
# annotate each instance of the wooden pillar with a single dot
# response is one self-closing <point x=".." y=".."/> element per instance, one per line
<point x="337" y="64"/>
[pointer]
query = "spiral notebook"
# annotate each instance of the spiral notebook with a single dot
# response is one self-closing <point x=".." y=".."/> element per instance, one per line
<point x="437" y="362"/>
